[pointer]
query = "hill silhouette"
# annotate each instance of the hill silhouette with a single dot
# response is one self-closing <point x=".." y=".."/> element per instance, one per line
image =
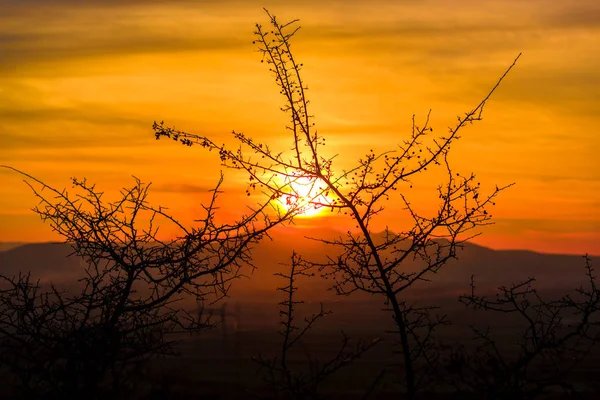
<point x="50" y="262"/>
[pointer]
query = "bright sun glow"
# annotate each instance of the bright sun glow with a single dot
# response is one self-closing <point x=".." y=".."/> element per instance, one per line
<point x="304" y="192"/>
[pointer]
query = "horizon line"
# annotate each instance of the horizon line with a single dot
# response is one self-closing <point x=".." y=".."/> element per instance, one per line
<point x="20" y="243"/>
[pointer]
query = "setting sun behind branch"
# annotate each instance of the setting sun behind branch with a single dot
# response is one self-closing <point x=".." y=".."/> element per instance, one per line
<point x="309" y="195"/>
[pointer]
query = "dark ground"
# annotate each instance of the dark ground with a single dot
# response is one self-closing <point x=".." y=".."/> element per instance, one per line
<point x="218" y="365"/>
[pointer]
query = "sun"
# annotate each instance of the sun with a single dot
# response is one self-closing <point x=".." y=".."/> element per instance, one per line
<point x="307" y="194"/>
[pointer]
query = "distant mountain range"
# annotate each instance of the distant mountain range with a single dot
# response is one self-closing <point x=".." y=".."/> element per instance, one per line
<point x="491" y="268"/>
<point x="258" y="298"/>
<point x="9" y="245"/>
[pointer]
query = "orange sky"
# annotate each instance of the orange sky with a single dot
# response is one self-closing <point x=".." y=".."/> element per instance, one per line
<point x="80" y="86"/>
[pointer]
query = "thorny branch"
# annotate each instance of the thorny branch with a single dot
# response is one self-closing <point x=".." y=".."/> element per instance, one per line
<point x="556" y="337"/>
<point x="128" y="301"/>
<point x="281" y="379"/>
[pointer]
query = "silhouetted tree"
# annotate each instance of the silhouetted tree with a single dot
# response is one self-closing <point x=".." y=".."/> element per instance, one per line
<point x="366" y="262"/>
<point x="557" y="336"/>
<point x="282" y="380"/>
<point x="95" y="339"/>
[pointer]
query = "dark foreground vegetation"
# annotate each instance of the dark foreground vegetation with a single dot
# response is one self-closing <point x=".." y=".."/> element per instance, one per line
<point x="218" y="363"/>
<point x="124" y="329"/>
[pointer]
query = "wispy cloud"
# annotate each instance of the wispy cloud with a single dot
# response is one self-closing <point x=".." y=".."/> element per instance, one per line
<point x="183" y="188"/>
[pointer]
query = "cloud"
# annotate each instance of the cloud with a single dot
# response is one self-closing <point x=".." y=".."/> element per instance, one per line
<point x="184" y="188"/>
<point x="90" y="113"/>
<point x="69" y="29"/>
<point x="574" y="14"/>
<point x="569" y="90"/>
<point x="30" y="118"/>
<point x="37" y="32"/>
<point x="39" y="48"/>
<point x="523" y="226"/>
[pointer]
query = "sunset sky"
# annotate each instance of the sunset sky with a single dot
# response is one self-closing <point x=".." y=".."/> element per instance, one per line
<point x="82" y="81"/>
